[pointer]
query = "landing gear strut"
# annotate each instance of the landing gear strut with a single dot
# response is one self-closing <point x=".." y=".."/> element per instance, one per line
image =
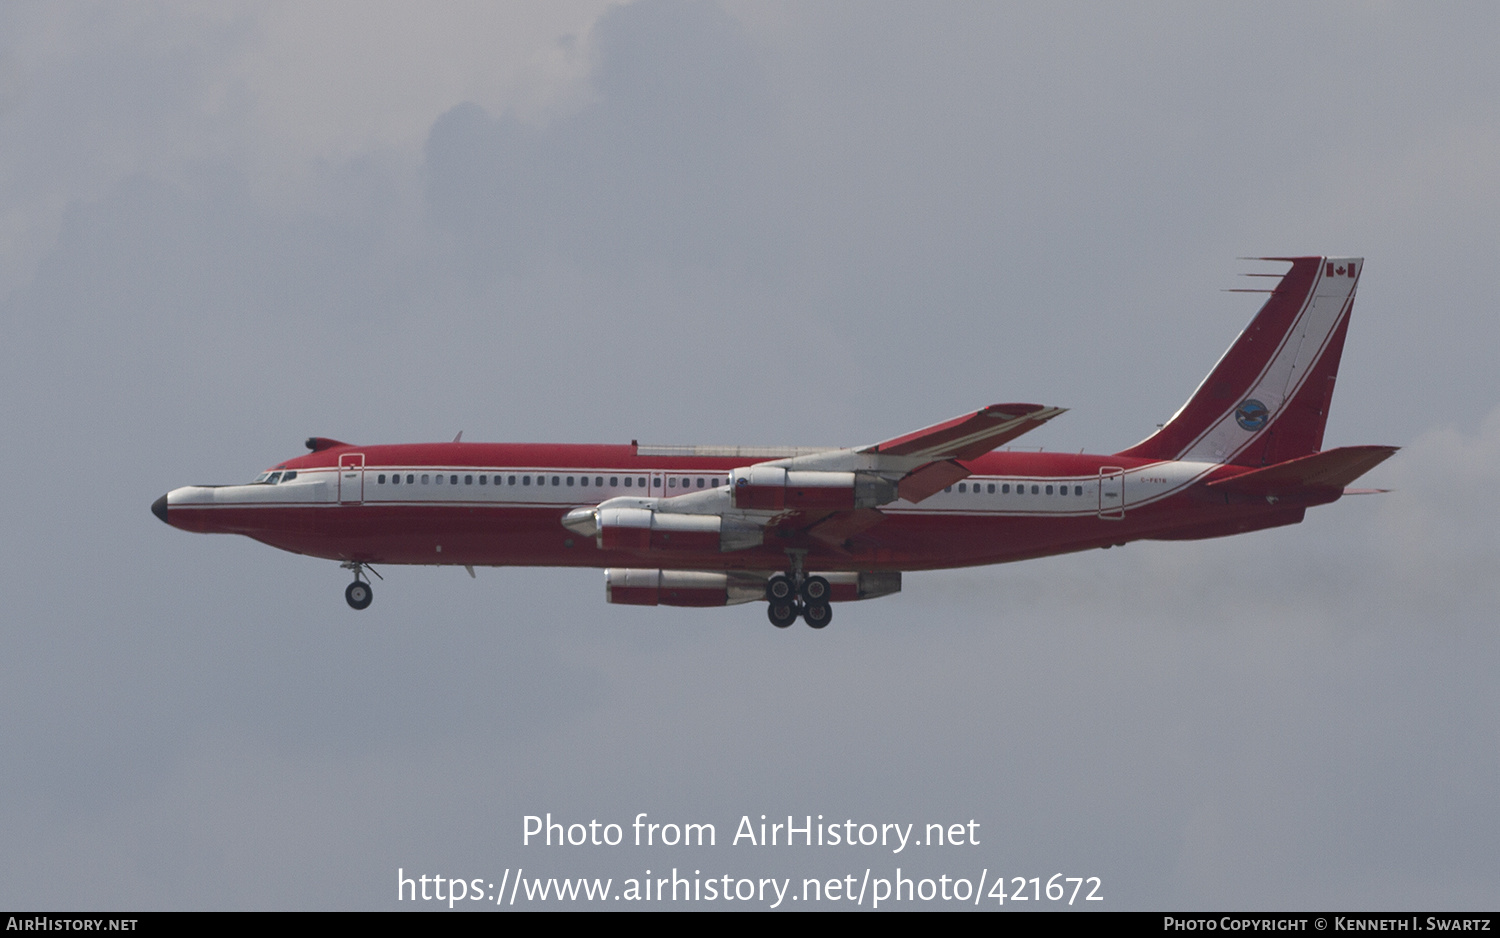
<point x="794" y="594"/>
<point x="358" y="594"/>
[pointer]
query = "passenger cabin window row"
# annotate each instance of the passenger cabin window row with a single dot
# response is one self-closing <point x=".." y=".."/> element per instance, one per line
<point x="526" y="479"/>
<point x="690" y="483"/>
<point x="1020" y="488"/>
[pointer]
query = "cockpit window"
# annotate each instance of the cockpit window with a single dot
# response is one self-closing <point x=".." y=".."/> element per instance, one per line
<point x="289" y="475"/>
<point x="261" y="478"/>
<point x="275" y="477"/>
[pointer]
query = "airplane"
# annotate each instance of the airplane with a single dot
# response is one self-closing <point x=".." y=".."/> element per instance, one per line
<point x="803" y="528"/>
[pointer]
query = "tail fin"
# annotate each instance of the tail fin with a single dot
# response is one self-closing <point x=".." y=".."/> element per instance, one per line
<point x="1267" y="399"/>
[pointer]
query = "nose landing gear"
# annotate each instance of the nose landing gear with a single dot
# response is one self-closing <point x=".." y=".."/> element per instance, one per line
<point x="358" y="594"/>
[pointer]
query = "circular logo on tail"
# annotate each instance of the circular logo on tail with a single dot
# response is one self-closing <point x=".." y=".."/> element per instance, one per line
<point x="1252" y="415"/>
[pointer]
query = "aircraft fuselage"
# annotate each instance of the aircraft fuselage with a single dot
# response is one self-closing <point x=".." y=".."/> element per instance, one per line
<point x="482" y="504"/>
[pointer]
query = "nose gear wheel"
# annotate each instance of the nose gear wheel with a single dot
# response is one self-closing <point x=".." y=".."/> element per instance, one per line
<point x="358" y="594"/>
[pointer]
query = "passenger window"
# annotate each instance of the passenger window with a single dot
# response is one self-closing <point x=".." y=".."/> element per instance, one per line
<point x="1005" y="489"/>
<point x="468" y="480"/>
<point x="627" y="481"/>
<point x="570" y="480"/>
<point x="992" y="488"/>
<point x="948" y="489"/>
<point x="700" y="482"/>
<point x="510" y="480"/>
<point x="481" y="480"/>
<point x="1034" y="490"/>
<point x="1077" y="490"/>
<point x="453" y="479"/>
<point x="614" y="481"/>
<point x="598" y="481"/>
<point x="963" y="487"/>
<point x="1049" y="490"/>
<point x="525" y="480"/>
<point x="380" y="478"/>
<point x="714" y="482"/>
<point x="424" y="478"/>
<point x="654" y="482"/>
<point x="411" y="477"/>
<point x="555" y="481"/>
<point x="439" y="478"/>
<point x="396" y="479"/>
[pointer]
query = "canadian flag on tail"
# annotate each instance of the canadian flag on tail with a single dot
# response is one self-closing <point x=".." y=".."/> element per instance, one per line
<point x="1340" y="270"/>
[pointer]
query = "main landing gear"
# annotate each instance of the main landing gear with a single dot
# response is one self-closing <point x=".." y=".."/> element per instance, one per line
<point x="358" y="594"/>
<point x="794" y="594"/>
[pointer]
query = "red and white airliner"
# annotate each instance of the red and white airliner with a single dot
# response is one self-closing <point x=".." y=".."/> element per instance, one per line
<point x="800" y="529"/>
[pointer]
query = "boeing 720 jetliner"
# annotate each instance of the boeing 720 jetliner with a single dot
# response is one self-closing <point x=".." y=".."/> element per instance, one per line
<point x="800" y="529"/>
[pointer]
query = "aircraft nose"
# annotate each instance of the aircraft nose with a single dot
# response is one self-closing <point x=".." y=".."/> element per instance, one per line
<point x="159" y="508"/>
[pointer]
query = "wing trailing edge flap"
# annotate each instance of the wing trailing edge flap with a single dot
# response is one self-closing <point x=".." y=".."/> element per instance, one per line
<point x="1330" y="469"/>
<point x="931" y="479"/>
<point x="836" y="529"/>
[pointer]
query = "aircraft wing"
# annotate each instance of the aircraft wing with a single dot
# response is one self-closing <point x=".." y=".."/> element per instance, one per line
<point x="828" y="495"/>
<point x="929" y="459"/>
<point x="968" y="436"/>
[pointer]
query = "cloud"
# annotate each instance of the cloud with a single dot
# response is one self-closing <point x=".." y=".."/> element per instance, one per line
<point x="661" y="166"/>
<point x="806" y="224"/>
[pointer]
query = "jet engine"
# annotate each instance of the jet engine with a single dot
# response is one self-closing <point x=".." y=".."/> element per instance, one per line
<point x="774" y="488"/>
<point x="633" y="528"/>
<point x="636" y="587"/>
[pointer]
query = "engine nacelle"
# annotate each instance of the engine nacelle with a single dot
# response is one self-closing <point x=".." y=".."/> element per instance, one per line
<point x="645" y="529"/>
<point x="848" y="587"/>
<point x="774" y="488"/>
<point x="636" y="587"/>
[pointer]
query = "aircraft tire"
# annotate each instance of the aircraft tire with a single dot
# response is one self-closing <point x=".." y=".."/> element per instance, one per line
<point x="818" y="615"/>
<point x="780" y="588"/>
<point x="815" y="590"/>
<point x="359" y="595"/>
<point x="783" y="613"/>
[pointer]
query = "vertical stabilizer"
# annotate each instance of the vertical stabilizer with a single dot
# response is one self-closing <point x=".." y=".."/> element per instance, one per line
<point x="1267" y="399"/>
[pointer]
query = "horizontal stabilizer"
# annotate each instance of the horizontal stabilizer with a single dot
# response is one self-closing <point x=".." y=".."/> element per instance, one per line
<point x="1330" y="469"/>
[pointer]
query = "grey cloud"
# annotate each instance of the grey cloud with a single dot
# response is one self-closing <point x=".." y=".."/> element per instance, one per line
<point x="662" y="166"/>
<point x="831" y="225"/>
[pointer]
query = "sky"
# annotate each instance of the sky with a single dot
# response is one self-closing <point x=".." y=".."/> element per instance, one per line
<point x="228" y="227"/>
